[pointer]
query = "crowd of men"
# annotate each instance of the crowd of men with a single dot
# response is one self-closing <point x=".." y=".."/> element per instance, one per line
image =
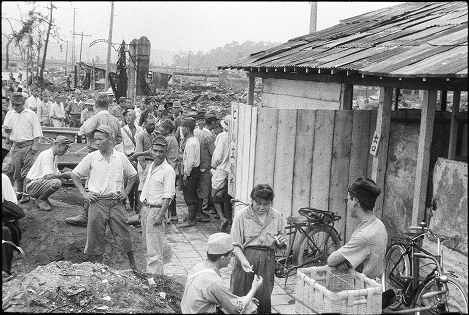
<point x="139" y="154"/>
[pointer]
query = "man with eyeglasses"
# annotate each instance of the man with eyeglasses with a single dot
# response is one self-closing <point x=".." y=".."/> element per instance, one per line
<point x="205" y="291"/>
<point x="258" y="231"/>
<point x="366" y="248"/>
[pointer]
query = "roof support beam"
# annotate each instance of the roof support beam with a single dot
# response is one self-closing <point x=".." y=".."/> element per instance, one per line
<point x="383" y="123"/>
<point x="404" y="83"/>
<point x="251" y="84"/>
<point x="423" y="156"/>
<point x="453" y="133"/>
<point x="346" y="96"/>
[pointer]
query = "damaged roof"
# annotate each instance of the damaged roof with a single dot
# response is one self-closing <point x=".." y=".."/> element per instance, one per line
<point x="417" y="39"/>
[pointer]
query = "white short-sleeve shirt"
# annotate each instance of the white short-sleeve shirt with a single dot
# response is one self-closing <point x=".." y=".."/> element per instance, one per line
<point x="45" y="164"/>
<point x="105" y="178"/>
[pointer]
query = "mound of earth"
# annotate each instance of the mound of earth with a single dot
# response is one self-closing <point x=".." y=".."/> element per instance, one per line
<point x="50" y="244"/>
<point x="90" y="288"/>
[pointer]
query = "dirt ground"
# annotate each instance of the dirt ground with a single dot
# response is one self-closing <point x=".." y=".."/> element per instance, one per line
<point x="47" y="239"/>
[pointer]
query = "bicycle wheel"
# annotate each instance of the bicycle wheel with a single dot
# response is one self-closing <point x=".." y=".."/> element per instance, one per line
<point x="455" y="300"/>
<point x="314" y="250"/>
<point x="396" y="271"/>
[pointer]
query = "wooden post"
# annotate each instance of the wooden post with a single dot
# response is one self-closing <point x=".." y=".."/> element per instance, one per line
<point x="396" y="100"/>
<point x="383" y="122"/>
<point x="252" y="84"/>
<point x="109" y="43"/>
<point x="443" y="100"/>
<point x="346" y="96"/>
<point x="423" y="156"/>
<point x="453" y="134"/>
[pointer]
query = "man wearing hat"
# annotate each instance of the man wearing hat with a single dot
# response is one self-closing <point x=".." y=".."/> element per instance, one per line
<point x="207" y="146"/>
<point x="73" y="111"/>
<point x="206" y="293"/>
<point x="157" y="193"/>
<point x="43" y="110"/>
<point x="57" y="112"/>
<point x="107" y="170"/>
<point x="128" y="145"/>
<point x="366" y="248"/>
<point x="191" y="172"/>
<point x="44" y="177"/>
<point x="88" y="112"/>
<point x="88" y="128"/>
<point x="24" y="130"/>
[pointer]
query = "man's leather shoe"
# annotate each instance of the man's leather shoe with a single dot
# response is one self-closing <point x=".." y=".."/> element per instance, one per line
<point x="25" y="198"/>
<point x="187" y="224"/>
<point x="80" y="220"/>
<point x="42" y="205"/>
<point x="203" y="219"/>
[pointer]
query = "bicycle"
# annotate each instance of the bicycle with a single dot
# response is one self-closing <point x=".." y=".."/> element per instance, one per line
<point x="437" y="292"/>
<point x="317" y="238"/>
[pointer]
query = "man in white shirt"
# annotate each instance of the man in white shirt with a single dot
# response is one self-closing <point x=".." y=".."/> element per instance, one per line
<point x="128" y="145"/>
<point x="43" y="110"/>
<point x="157" y="192"/>
<point x="107" y="170"/>
<point x="33" y="102"/>
<point x="24" y="131"/>
<point x="220" y="170"/>
<point x="57" y="112"/>
<point x="191" y="176"/>
<point x="44" y="177"/>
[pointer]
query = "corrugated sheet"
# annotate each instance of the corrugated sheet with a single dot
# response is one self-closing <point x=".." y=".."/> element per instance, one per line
<point x="417" y="39"/>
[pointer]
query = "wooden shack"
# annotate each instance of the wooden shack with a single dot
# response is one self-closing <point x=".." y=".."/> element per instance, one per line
<point x="309" y="143"/>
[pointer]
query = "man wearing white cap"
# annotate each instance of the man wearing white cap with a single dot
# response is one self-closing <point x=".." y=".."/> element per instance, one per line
<point x="44" y="177"/>
<point x="205" y="290"/>
<point x="88" y="112"/>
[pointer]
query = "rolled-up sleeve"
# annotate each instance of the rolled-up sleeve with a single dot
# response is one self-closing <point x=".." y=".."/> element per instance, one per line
<point x="129" y="170"/>
<point x="83" y="168"/>
<point x="220" y="294"/>
<point x="237" y="230"/>
<point x="169" y="189"/>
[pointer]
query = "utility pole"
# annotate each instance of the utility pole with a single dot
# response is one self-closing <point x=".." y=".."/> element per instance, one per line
<point x="313" y="17"/>
<point x="66" y="59"/>
<point x="81" y="48"/>
<point x="73" y="52"/>
<point x="109" y="43"/>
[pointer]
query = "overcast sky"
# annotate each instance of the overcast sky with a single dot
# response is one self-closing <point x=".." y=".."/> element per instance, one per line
<point x="184" y="26"/>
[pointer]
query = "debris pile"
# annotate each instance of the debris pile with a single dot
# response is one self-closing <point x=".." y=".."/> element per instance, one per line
<point x="90" y="288"/>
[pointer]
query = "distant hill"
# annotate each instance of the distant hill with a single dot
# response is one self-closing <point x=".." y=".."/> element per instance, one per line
<point x="98" y="51"/>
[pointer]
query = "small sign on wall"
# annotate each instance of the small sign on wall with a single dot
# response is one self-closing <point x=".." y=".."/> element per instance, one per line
<point x="375" y="143"/>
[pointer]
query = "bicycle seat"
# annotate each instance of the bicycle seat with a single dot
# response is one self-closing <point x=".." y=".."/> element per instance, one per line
<point x="317" y="216"/>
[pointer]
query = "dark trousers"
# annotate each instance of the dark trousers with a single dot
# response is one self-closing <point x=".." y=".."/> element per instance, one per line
<point x="263" y="262"/>
<point x="190" y="194"/>
<point x="10" y="232"/>
<point x="172" y="207"/>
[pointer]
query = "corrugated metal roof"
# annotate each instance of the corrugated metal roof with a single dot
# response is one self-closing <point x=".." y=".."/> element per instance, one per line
<point x="415" y="39"/>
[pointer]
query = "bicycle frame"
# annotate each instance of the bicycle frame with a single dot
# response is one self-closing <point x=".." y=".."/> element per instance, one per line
<point x="416" y="253"/>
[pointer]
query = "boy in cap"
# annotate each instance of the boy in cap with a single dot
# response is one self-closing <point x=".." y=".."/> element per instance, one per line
<point x="107" y="171"/>
<point x="44" y="177"/>
<point x="88" y="112"/>
<point x="191" y="172"/>
<point x="24" y="130"/>
<point x="366" y="248"/>
<point x="205" y="291"/>
<point x="157" y="193"/>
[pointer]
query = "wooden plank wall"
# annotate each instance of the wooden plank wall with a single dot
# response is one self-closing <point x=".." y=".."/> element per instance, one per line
<point x="243" y="137"/>
<point x="308" y="157"/>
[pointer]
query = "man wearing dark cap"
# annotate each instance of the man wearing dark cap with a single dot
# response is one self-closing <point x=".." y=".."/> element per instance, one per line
<point x="366" y="248"/>
<point x="157" y="193"/>
<point x="191" y="171"/>
<point x="107" y="170"/>
<point x="24" y="130"/>
<point x="102" y="117"/>
<point x="44" y="177"/>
